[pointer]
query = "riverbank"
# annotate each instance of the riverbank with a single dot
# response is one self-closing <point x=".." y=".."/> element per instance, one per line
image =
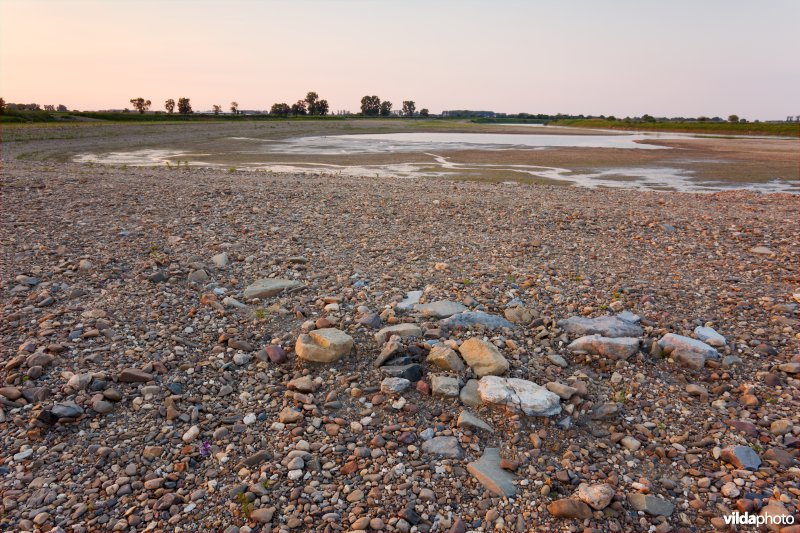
<point x="142" y="387"/>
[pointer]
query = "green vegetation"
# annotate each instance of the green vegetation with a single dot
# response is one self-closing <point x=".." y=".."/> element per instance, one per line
<point x="508" y="120"/>
<point x="740" y="128"/>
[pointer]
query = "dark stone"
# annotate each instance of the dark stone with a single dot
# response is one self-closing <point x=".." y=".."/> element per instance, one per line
<point x="412" y="373"/>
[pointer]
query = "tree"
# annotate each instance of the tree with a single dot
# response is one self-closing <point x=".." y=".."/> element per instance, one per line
<point x="216" y="108"/>
<point x="733" y="118"/>
<point x="409" y="107"/>
<point x="140" y="104"/>
<point x="62" y="108"/>
<point x="370" y="106"/>
<point x="49" y="107"/>
<point x="299" y="108"/>
<point x="184" y="106"/>
<point x="2" y="106"/>
<point x="386" y="108"/>
<point x="235" y="108"/>
<point x="424" y="112"/>
<point x="322" y="108"/>
<point x="280" y="110"/>
<point x="648" y="118"/>
<point x="169" y="105"/>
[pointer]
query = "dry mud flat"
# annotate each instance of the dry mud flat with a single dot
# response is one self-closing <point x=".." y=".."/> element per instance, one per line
<point x="148" y="384"/>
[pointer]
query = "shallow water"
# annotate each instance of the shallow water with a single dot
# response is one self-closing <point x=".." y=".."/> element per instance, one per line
<point x="425" y="162"/>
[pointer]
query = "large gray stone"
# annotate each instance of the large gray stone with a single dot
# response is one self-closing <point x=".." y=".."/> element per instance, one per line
<point x="408" y="303"/>
<point x="607" y="326"/>
<point x="742" y="457"/>
<point x="484" y="358"/>
<point x="403" y="331"/>
<point x="519" y="395"/>
<point x="442" y="385"/>
<point x="444" y="447"/>
<point x="440" y="309"/>
<point x="67" y="410"/>
<point x="473" y="318"/>
<point x="264" y="288"/>
<point x="467" y="419"/>
<point x="488" y="472"/>
<point x="650" y="504"/>
<point x="469" y="394"/>
<point x="324" y="345"/>
<point x="709" y="336"/>
<point x="691" y="352"/>
<point x="610" y="347"/>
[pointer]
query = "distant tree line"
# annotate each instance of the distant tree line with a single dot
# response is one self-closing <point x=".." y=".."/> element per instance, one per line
<point x="30" y="107"/>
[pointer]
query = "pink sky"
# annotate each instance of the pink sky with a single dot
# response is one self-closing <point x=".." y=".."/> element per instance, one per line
<point x="677" y="58"/>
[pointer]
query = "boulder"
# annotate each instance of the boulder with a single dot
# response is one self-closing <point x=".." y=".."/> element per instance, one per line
<point x="442" y="385"/>
<point x="519" y="395"/>
<point x="444" y="447"/>
<point x="440" y="309"/>
<point x="569" y="508"/>
<point x="445" y="358"/>
<point x="650" y="504"/>
<point x="468" y="420"/>
<point x="609" y="347"/>
<point x="742" y="457"/>
<point x="403" y="331"/>
<point x="606" y="326"/>
<point x="519" y="314"/>
<point x="474" y="318"/>
<point x="469" y="394"/>
<point x="483" y="357"/>
<point x="691" y="352"/>
<point x="488" y="472"/>
<point x="408" y="303"/>
<point x="598" y="495"/>
<point x="324" y="345"/>
<point x="709" y="336"/>
<point x="264" y="288"/>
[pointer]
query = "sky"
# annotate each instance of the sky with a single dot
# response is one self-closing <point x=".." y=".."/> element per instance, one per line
<point x="610" y="57"/>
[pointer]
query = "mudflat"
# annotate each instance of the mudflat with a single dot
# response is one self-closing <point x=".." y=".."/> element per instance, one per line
<point x="142" y="388"/>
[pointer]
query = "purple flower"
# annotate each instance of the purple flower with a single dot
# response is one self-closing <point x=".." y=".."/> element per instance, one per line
<point x="205" y="448"/>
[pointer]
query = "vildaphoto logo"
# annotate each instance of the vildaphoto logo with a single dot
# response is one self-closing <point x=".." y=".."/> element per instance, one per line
<point x="747" y="519"/>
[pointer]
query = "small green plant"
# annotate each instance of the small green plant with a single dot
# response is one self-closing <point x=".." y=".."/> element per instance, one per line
<point x="603" y="307"/>
<point x="231" y="170"/>
<point x="617" y="295"/>
<point x="757" y="447"/>
<point x="244" y="504"/>
<point x="466" y="281"/>
<point x="770" y="399"/>
<point x="261" y="313"/>
<point x="620" y="397"/>
<point x="511" y="279"/>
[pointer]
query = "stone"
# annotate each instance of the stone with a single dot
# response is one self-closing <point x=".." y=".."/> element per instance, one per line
<point x="483" y="357"/>
<point x="67" y="409"/>
<point x="262" y="515"/>
<point x="761" y="250"/>
<point x="469" y="420"/>
<point x="650" y="504"/>
<point x="302" y="384"/>
<point x="691" y="352"/>
<point x="276" y="354"/>
<point x="191" y="434"/>
<point x="403" y="331"/>
<point x="519" y="395"/>
<point x="102" y="406"/>
<point x="569" y="508"/>
<point x="324" y="345"/>
<point x="220" y="260"/>
<point x="606" y="326"/>
<point x="440" y="309"/>
<point x="445" y="358"/>
<point x="408" y="303"/>
<point x="392" y="349"/>
<point x="697" y="390"/>
<point x="519" y="314"/>
<point x="444" y="447"/>
<point x="412" y="372"/>
<point x="630" y="443"/>
<point x="133" y="375"/>
<point x="289" y="415"/>
<point x="469" y="394"/>
<point x="198" y="276"/>
<point x="780" y="427"/>
<point x="489" y="474"/>
<point x="709" y="336"/>
<point x="565" y="392"/>
<point x="267" y="287"/>
<point x="557" y="360"/>
<point x="780" y="456"/>
<point x="615" y="348"/>
<point x="11" y="393"/>
<point x="775" y="515"/>
<point x="442" y="385"/>
<point x="790" y="368"/>
<point x="370" y="320"/>
<point x="78" y="382"/>
<point x="394" y="385"/>
<point x="475" y="318"/>
<point x="598" y="496"/>
<point x="742" y="457"/>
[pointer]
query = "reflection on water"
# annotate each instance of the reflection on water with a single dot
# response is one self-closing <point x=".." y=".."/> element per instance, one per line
<point x="429" y="164"/>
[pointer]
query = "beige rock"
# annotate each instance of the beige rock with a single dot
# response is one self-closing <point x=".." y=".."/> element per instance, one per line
<point x="324" y="345"/>
<point x="445" y="358"/>
<point x="483" y="357"/>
